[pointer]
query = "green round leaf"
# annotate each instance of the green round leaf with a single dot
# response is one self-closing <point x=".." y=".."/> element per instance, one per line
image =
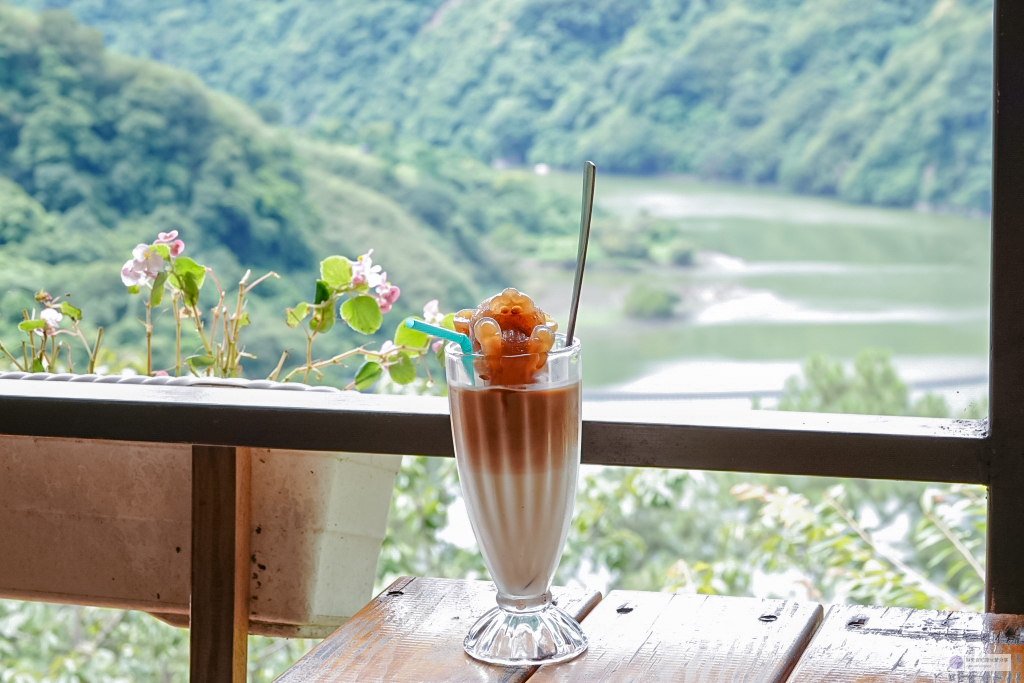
<point x="188" y="278"/>
<point x="70" y="311"/>
<point x="323" y="292"/>
<point x="184" y="264"/>
<point x="362" y="314"/>
<point x="403" y="371"/>
<point x="294" y="316"/>
<point x="449" y="322"/>
<point x="323" y="319"/>
<point x="161" y="250"/>
<point x="190" y="289"/>
<point x="26" y="325"/>
<point x="405" y="336"/>
<point x="157" y="294"/>
<point x="335" y="271"/>
<point x="368" y="374"/>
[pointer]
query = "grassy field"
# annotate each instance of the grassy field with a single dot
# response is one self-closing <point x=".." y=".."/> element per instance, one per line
<point x="777" y="277"/>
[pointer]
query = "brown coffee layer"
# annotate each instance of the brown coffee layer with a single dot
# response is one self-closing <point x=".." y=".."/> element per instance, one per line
<point x="515" y="431"/>
<point x="518" y="457"/>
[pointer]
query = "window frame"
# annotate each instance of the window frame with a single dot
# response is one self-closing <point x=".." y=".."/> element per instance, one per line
<point x="656" y="433"/>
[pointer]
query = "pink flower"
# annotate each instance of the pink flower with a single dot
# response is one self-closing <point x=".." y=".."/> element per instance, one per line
<point x="431" y="313"/>
<point x="365" y="273"/>
<point x="387" y="294"/>
<point x="142" y="268"/>
<point x="436" y="345"/>
<point x="161" y="373"/>
<point x="171" y="240"/>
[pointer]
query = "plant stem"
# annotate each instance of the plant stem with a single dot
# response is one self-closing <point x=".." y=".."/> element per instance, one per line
<point x="226" y="345"/>
<point x="261" y="279"/>
<point x="280" y="364"/>
<point x="199" y="329"/>
<point x="426" y="368"/>
<point x="322" y="363"/>
<point x="309" y="356"/>
<point x="95" y="350"/>
<point x="13" y="359"/>
<point x="232" y="339"/>
<point x="149" y="339"/>
<point x="71" y="367"/>
<point x="177" y="334"/>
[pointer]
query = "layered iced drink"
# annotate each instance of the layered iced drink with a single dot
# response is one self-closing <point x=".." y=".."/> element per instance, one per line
<point x="515" y="405"/>
<point x="518" y="460"/>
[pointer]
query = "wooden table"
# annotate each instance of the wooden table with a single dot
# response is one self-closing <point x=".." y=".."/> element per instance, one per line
<point x="903" y="645"/>
<point x="413" y="631"/>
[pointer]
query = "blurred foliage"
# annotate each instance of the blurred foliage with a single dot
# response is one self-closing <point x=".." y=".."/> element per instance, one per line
<point x="99" y="152"/>
<point x="644" y="302"/>
<point x="873" y="389"/>
<point x="415" y="544"/>
<point x="645" y="239"/>
<point x="46" y="643"/>
<point x="884" y="101"/>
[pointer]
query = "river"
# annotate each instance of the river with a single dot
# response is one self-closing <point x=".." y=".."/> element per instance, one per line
<point x="777" y="278"/>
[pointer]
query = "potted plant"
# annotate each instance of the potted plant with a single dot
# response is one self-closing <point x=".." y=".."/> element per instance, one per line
<point x="118" y="513"/>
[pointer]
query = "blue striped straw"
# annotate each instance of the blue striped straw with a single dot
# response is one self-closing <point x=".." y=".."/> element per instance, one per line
<point x="442" y="332"/>
<point x="452" y="336"/>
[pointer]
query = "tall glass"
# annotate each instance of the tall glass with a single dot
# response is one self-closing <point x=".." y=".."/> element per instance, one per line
<point x="518" y="455"/>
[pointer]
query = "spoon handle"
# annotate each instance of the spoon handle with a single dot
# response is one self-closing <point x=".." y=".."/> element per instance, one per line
<point x="589" y="176"/>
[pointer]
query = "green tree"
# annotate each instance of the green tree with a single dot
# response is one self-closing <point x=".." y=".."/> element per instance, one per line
<point x="887" y="102"/>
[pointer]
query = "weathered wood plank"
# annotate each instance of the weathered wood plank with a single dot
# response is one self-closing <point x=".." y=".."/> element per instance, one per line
<point x="634" y="433"/>
<point x="638" y="636"/>
<point x="219" y="609"/>
<point x="900" y="645"/>
<point x="413" y="632"/>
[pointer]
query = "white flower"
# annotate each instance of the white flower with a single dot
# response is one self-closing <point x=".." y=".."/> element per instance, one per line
<point x="52" y="317"/>
<point x="432" y="313"/>
<point x="365" y="273"/>
<point x="387" y="348"/>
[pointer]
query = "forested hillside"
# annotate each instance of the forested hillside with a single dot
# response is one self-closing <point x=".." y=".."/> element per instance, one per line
<point x="878" y="101"/>
<point x="99" y="152"/>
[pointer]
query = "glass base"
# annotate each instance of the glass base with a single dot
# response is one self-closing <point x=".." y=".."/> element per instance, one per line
<point x="525" y="637"/>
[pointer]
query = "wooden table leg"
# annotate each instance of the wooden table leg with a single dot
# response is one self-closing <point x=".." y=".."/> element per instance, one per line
<point x="219" y="619"/>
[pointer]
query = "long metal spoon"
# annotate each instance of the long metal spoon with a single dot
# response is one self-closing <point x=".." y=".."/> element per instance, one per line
<point x="589" y="176"/>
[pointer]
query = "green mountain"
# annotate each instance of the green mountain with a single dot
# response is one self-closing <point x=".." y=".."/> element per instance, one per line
<point x="879" y="101"/>
<point x="99" y="152"/>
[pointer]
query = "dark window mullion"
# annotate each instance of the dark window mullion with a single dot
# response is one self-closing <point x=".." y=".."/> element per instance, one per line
<point x="1005" y="580"/>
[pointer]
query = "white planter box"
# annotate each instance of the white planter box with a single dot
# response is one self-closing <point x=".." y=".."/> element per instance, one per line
<point x="109" y="523"/>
